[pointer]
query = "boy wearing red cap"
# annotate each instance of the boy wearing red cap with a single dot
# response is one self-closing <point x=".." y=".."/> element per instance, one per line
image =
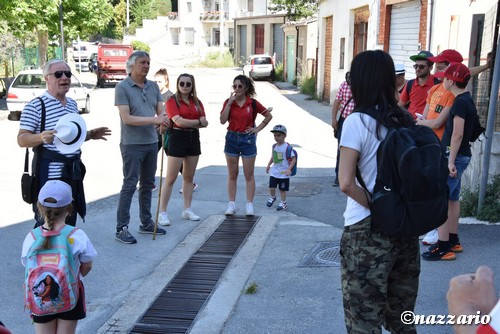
<point x="439" y="102"/>
<point x="456" y="146"/>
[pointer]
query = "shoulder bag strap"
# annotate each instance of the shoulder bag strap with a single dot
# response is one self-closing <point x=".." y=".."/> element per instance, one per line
<point x="26" y="161"/>
<point x="42" y="125"/>
<point x="36" y="149"/>
<point x="345" y="106"/>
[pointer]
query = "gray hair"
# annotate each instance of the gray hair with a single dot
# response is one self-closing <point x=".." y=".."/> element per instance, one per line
<point x="48" y="65"/>
<point x="133" y="57"/>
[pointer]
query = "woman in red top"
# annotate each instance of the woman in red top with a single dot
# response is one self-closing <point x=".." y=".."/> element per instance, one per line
<point x="241" y="110"/>
<point x="188" y="115"/>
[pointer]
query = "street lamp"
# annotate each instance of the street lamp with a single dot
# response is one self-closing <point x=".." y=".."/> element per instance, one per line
<point x="62" y="28"/>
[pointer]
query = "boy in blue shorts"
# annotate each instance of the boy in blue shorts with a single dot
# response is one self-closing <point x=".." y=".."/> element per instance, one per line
<point x="456" y="146"/>
<point x="279" y="167"/>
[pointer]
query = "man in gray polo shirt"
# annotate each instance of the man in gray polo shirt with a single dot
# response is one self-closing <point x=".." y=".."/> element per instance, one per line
<point x="139" y="103"/>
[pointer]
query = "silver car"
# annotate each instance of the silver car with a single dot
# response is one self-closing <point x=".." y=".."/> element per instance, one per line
<point x="260" y="66"/>
<point x="29" y="84"/>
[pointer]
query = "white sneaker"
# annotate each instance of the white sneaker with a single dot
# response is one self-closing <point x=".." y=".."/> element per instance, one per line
<point x="189" y="215"/>
<point x="163" y="219"/>
<point x="249" y="208"/>
<point x="231" y="208"/>
<point x="430" y="238"/>
<point x="195" y="186"/>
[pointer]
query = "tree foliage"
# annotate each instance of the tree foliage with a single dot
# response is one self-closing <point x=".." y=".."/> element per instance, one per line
<point x="147" y="9"/>
<point x="295" y="9"/>
<point x="41" y="18"/>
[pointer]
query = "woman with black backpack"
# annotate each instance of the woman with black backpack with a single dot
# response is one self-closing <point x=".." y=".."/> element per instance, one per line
<point x="379" y="273"/>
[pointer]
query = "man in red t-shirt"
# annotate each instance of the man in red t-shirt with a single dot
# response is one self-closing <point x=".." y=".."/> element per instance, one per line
<point x="414" y="94"/>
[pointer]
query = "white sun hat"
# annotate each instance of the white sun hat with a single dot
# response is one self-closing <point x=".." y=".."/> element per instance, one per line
<point x="71" y="132"/>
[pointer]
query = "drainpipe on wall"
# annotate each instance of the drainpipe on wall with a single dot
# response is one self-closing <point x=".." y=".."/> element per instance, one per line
<point x="431" y="19"/>
<point x="296" y="54"/>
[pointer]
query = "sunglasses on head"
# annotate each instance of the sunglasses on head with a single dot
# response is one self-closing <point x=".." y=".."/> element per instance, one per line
<point x="59" y="74"/>
<point x="238" y="86"/>
<point x="185" y="83"/>
<point x="420" y="67"/>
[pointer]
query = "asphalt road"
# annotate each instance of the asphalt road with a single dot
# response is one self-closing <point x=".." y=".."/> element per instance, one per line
<point x="125" y="278"/>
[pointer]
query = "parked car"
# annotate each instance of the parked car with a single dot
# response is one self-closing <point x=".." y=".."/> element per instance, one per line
<point x="29" y="84"/>
<point x="93" y="63"/>
<point x="111" y="62"/>
<point x="260" y="66"/>
<point x="3" y="89"/>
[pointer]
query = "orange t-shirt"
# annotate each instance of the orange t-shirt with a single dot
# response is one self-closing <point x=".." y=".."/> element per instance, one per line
<point x="438" y="99"/>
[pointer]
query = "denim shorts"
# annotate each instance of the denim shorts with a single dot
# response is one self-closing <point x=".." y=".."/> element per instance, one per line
<point x="240" y="144"/>
<point x="454" y="183"/>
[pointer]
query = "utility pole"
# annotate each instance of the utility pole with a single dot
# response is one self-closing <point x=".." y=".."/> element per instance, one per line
<point x="221" y="39"/>
<point x="128" y="16"/>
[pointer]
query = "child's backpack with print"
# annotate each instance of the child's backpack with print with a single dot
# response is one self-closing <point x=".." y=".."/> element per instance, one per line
<point x="289" y="150"/>
<point x="51" y="277"/>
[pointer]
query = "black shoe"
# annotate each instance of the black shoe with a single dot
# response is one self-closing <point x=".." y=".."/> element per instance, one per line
<point x="436" y="254"/>
<point x="270" y="201"/>
<point x="125" y="236"/>
<point x="149" y="229"/>
<point x="335" y="183"/>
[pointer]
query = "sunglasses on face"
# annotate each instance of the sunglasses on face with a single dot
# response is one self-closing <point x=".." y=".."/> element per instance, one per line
<point x="239" y="86"/>
<point x="187" y="84"/>
<point x="59" y="74"/>
<point x="420" y="67"/>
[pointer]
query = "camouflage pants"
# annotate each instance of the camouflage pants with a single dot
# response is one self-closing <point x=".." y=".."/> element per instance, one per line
<point x="379" y="279"/>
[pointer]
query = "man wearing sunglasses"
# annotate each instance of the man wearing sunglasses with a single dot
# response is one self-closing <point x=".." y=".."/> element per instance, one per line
<point x="414" y="93"/>
<point x="38" y="132"/>
<point x="141" y="108"/>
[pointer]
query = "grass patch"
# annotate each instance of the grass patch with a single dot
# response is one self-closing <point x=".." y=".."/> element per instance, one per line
<point x="216" y="60"/>
<point x="491" y="206"/>
<point x="251" y="289"/>
<point x="278" y="68"/>
<point x="308" y="86"/>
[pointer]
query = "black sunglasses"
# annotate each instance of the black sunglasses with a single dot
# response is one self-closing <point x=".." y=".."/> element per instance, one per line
<point x="238" y="86"/>
<point x="59" y="74"/>
<point x="420" y="67"/>
<point x="187" y="83"/>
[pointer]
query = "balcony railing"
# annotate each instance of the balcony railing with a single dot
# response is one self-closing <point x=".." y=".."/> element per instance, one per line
<point x="213" y="16"/>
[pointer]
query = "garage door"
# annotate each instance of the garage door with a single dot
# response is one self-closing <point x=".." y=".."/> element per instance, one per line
<point x="403" y="42"/>
<point x="278" y="42"/>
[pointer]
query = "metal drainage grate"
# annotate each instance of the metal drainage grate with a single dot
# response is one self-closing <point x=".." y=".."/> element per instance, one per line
<point x="324" y="254"/>
<point x="178" y="304"/>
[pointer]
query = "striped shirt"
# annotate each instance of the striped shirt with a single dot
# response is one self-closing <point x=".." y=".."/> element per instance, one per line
<point x="31" y="119"/>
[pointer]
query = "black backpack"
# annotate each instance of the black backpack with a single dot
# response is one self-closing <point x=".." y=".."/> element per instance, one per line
<point x="410" y="197"/>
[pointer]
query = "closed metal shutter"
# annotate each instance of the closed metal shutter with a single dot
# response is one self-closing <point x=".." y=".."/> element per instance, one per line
<point x="403" y="41"/>
<point x="278" y="42"/>
<point x="243" y="42"/>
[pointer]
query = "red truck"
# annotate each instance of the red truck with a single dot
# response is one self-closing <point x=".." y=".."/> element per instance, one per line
<point x="111" y="62"/>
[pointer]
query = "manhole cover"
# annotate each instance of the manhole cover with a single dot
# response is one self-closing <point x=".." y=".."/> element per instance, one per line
<point x="323" y="254"/>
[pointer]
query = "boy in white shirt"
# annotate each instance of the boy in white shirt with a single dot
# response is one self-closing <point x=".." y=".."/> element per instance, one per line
<point x="280" y="167"/>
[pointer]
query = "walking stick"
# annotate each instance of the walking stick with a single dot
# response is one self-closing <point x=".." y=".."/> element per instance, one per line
<point x="161" y="180"/>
